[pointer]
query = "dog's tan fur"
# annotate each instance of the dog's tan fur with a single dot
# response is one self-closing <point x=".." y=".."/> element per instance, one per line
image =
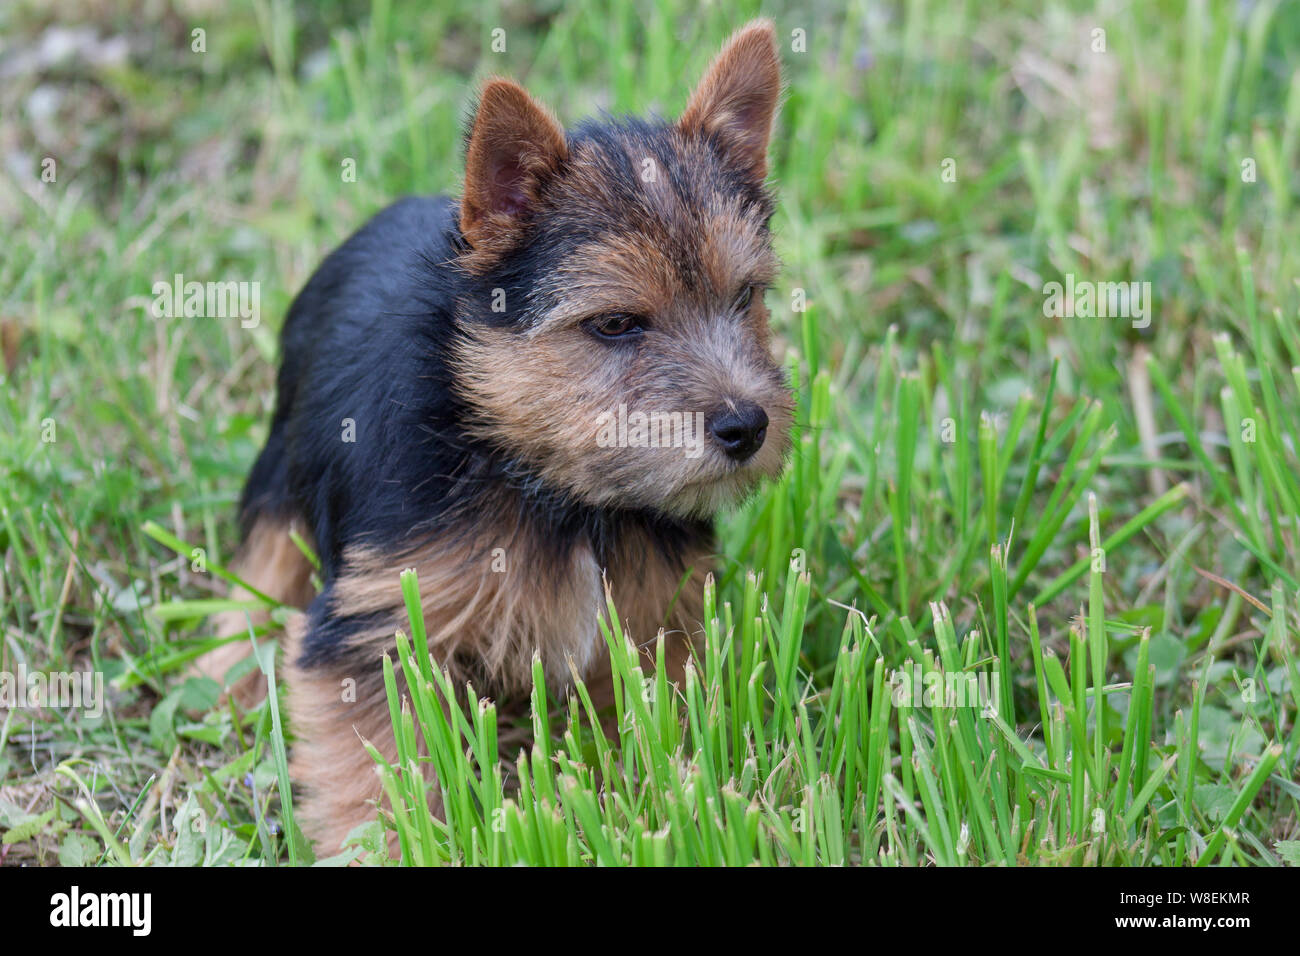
<point x="485" y="621"/>
<point x="272" y="563"/>
<point x="328" y="759"/>
<point x="482" y="602"/>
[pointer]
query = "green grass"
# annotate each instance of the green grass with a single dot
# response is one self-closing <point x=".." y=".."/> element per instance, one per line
<point x="1102" y="521"/>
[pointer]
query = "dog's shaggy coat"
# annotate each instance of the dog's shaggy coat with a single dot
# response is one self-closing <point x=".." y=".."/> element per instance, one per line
<point x="444" y="372"/>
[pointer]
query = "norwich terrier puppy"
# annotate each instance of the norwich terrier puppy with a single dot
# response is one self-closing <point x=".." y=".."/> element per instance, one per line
<point x="554" y="383"/>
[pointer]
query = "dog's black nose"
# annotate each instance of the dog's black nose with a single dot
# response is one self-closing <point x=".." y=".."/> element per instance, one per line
<point x="740" y="430"/>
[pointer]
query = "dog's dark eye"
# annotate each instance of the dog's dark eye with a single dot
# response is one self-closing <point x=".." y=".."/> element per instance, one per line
<point x="742" y="301"/>
<point x="616" y="325"/>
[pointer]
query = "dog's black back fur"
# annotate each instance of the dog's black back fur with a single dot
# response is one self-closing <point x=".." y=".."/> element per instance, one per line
<point x="378" y="301"/>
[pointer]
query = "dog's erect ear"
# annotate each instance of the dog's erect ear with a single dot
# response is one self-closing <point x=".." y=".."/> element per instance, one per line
<point x="737" y="98"/>
<point x="514" y="144"/>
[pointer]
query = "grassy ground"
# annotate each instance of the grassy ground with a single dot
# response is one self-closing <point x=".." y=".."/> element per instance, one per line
<point x="1098" y="515"/>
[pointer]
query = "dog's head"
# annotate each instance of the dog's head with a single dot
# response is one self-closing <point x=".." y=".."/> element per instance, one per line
<point x="616" y="342"/>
